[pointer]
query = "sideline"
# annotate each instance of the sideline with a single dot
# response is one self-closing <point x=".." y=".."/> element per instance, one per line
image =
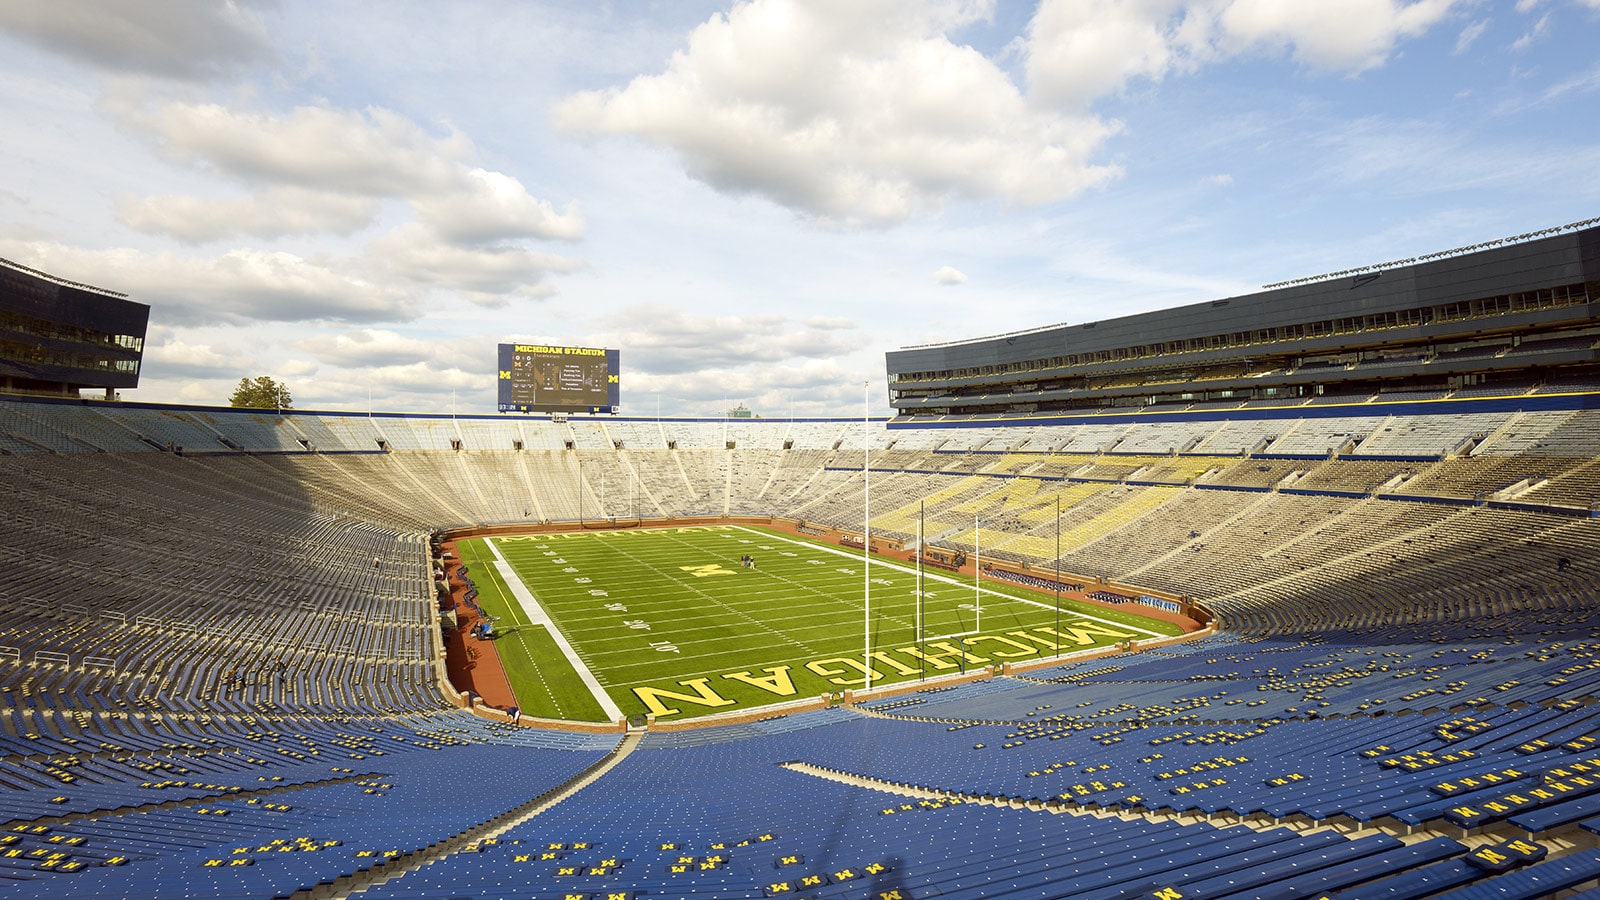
<point x="935" y="576"/>
<point x="536" y="613"/>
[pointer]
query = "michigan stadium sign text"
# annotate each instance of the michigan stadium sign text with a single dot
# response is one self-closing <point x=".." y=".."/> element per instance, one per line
<point x="560" y="351"/>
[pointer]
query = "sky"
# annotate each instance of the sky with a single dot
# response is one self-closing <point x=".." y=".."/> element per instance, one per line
<point x="752" y="201"/>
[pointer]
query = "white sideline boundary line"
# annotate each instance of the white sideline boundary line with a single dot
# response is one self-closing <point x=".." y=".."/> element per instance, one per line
<point x="536" y="614"/>
<point x="881" y="561"/>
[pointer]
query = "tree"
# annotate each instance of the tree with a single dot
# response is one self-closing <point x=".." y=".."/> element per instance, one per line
<point x="261" y="392"/>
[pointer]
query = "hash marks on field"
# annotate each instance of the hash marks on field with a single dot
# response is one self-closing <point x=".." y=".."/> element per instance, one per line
<point x="792" y="606"/>
<point x="765" y="616"/>
<point x="538" y="670"/>
<point x="705" y="626"/>
<point x="668" y="573"/>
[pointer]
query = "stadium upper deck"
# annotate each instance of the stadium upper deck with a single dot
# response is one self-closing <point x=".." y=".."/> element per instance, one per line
<point x="1497" y="318"/>
<point x="59" y="336"/>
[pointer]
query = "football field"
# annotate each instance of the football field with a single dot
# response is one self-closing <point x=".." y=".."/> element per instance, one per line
<point x="669" y="621"/>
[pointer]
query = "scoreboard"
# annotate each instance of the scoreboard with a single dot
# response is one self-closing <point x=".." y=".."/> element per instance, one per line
<point x="536" y="378"/>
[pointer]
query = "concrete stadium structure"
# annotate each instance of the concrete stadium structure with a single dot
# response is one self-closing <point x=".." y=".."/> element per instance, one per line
<point x="211" y="690"/>
<point x="1493" y="319"/>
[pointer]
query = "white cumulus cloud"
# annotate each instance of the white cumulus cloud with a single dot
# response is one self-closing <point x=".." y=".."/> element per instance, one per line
<point x="1080" y="50"/>
<point x="493" y="206"/>
<point x="271" y="213"/>
<point x="238" y="287"/>
<point x="664" y="340"/>
<point x="488" y="276"/>
<point x="949" y="275"/>
<point x="316" y="169"/>
<point x="184" y="39"/>
<point x="181" y="359"/>
<point x="867" y="112"/>
<point x="361" y="347"/>
<point x="848" y="111"/>
<point x="1340" y="35"/>
<point x="321" y="152"/>
<point x="375" y="151"/>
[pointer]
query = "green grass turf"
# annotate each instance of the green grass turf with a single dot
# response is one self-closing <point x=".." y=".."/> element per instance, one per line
<point x="667" y="619"/>
<point x="544" y="683"/>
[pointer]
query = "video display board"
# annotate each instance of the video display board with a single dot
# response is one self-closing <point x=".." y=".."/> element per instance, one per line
<point x="536" y="378"/>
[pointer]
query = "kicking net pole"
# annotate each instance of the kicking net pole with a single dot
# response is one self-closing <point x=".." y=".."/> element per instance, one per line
<point x="977" y="566"/>
<point x="1058" y="575"/>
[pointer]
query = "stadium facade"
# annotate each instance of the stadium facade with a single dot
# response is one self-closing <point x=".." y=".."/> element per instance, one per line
<point x="1496" y="319"/>
<point x="223" y="665"/>
<point x="58" y="337"/>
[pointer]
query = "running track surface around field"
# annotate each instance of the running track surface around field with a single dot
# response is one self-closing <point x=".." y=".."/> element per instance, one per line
<point x="478" y="671"/>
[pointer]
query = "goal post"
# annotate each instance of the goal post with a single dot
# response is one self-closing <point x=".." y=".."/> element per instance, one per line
<point x="975" y="607"/>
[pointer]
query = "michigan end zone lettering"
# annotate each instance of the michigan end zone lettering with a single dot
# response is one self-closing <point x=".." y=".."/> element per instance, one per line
<point x="827" y="675"/>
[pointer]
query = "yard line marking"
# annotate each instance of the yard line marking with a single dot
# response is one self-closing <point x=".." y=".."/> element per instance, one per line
<point x="539" y="671"/>
<point x="757" y="623"/>
<point x="537" y="614"/>
<point x="934" y="576"/>
<point x="811" y="590"/>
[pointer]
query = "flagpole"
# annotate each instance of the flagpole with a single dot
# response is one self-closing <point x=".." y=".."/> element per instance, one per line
<point x="866" y="528"/>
